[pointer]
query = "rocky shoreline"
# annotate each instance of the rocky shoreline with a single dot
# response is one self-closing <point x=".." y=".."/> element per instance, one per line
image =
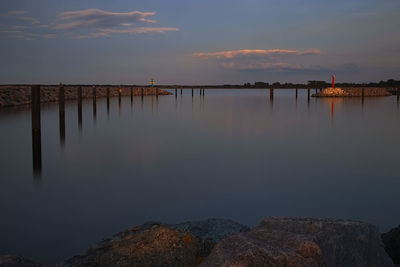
<point x="21" y="95"/>
<point x="221" y="242"/>
<point x="352" y="92"/>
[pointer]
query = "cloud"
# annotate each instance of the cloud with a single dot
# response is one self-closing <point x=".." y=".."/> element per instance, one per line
<point x="49" y="36"/>
<point x="259" y="59"/>
<point x="254" y="52"/>
<point x="96" y="18"/>
<point x="30" y="19"/>
<point x="130" y="31"/>
<point x="79" y="24"/>
<point x="18" y="12"/>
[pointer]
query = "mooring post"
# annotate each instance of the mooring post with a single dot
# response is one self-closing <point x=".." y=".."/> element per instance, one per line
<point x="157" y="92"/>
<point x="142" y="91"/>
<point x="181" y="91"/>
<point x="308" y="93"/>
<point x="271" y="92"/>
<point x="362" y="92"/>
<point x="119" y="95"/>
<point x="36" y="133"/>
<point x="297" y="94"/>
<point x="80" y="107"/>
<point x="397" y="93"/>
<point x="192" y="91"/>
<point x="204" y="90"/>
<point x="131" y="94"/>
<point x="61" y="109"/>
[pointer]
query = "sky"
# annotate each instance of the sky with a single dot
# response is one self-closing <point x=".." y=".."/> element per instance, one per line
<point x="198" y="41"/>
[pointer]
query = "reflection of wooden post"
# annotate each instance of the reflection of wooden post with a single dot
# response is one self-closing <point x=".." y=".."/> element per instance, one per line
<point x="131" y="94"/>
<point x="36" y="134"/>
<point x="108" y="100"/>
<point x="61" y="107"/>
<point x="80" y="108"/>
<point x="94" y="94"/>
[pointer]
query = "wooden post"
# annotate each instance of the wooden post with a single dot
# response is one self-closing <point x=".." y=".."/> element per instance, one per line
<point x="61" y="109"/>
<point x="192" y="91"/>
<point x="131" y="94"/>
<point x="80" y="108"/>
<point x="119" y="95"/>
<point x="142" y="91"/>
<point x="397" y="94"/>
<point x="204" y="90"/>
<point x="157" y="92"/>
<point x="308" y="93"/>
<point x="200" y="91"/>
<point x="36" y="132"/>
<point x="297" y="94"/>
<point x="181" y="91"/>
<point x="271" y="93"/>
<point x="108" y="101"/>
<point x="176" y="92"/>
<point x="362" y="92"/>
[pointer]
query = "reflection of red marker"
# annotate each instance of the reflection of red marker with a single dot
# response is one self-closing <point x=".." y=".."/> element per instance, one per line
<point x="333" y="81"/>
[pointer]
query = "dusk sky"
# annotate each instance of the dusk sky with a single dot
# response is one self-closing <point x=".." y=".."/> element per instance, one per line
<point x="198" y="41"/>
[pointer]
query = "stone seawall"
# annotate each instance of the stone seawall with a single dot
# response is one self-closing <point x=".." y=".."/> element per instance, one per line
<point x="352" y="92"/>
<point x="21" y="95"/>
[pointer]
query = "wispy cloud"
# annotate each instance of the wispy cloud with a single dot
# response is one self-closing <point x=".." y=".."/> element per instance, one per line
<point x="18" y="12"/>
<point x="254" y="52"/>
<point x="96" y="18"/>
<point x="258" y="59"/>
<point x="130" y="31"/>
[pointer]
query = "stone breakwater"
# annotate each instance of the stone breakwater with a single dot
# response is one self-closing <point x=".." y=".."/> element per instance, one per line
<point x="218" y="242"/>
<point x="352" y="92"/>
<point x="21" y="95"/>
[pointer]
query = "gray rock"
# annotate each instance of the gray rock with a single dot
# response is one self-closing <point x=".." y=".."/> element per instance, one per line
<point x="302" y="242"/>
<point x="391" y="240"/>
<point x="18" y="261"/>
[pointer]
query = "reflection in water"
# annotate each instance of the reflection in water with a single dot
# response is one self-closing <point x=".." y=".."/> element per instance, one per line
<point x="94" y="105"/>
<point x="36" y="131"/>
<point x="80" y="109"/>
<point x="332" y="111"/>
<point x="108" y="102"/>
<point x="61" y="105"/>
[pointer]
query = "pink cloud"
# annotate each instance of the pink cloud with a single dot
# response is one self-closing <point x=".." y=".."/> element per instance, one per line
<point x="254" y="52"/>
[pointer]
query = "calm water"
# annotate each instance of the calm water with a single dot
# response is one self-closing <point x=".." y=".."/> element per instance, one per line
<point x="231" y="154"/>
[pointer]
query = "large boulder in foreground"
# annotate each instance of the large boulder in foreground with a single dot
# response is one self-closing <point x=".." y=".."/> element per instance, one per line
<point x="157" y="244"/>
<point x="302" y="242"/>
<point x="392" y="244"/>
<point x="18" y="261"/>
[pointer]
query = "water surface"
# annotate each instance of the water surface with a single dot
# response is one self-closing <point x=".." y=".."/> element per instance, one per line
<point x="230" y="154"/>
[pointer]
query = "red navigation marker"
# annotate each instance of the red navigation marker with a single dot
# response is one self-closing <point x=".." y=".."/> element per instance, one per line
<point x="333" y="81"/>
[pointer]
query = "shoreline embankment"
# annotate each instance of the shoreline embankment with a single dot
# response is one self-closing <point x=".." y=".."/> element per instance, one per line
<point x="21" y="95"/>
<point x="220" y="242"/>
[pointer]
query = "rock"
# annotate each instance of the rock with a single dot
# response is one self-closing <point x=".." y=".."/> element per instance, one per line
<point x="213" y="229"/>
<point x="392" y="244"/>
<point x="156" y="245"/>
<point x="302" y="242"/>
<point x="18" y="261"/>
